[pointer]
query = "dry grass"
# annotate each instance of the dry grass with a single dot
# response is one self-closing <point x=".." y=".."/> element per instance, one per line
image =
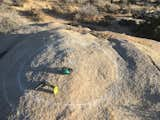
<point x="87" y="13"/>
<point x="32" y="14"/>
<point x="7" y="25"/>
<point x="19" y="2"/>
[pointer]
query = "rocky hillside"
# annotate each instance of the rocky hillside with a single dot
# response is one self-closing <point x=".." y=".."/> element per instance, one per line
<point x="115" y="76"/>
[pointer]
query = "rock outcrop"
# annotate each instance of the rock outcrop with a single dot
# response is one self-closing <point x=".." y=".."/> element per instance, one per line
<point x="115" y="76"/>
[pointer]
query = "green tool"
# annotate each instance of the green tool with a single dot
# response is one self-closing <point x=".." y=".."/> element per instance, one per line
<point x="66" y="70"/>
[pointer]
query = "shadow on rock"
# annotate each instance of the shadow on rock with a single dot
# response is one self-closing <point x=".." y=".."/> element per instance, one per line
<point x="10" y="91"/>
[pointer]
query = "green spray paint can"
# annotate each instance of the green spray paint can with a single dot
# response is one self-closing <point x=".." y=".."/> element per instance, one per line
<point x="66" y="71"/>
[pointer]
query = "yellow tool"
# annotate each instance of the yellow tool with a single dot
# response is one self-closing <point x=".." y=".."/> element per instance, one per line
<point x="44" y="83"/>
<point x="55" y="90"/>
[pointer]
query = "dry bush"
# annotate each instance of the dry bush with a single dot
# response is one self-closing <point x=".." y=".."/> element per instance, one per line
<point x="150" y="28"/>
<point x="87" y="13"/>
<point x="31" y="14"/>
<point x="7" y="25"/>
<point x="18" y="2"/>
<point x="82" y="1"/>
<point x="100" y="3"/>
<point x="76" y="1"/>
<point x="69" y="1"/>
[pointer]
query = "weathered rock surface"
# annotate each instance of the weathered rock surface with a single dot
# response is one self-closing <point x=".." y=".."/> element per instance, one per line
<point x="115" y="77"/>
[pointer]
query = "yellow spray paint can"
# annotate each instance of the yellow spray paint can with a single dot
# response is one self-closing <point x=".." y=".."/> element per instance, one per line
<point x="55" y="90"/>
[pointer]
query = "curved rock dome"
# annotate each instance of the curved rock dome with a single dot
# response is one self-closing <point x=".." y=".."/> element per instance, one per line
<point x="115" y="77"/>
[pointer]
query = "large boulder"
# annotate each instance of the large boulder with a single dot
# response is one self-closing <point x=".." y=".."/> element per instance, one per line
<point x="114" y="76"/>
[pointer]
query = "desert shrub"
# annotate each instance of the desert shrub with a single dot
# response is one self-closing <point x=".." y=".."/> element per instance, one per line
<point x="31" y="14"/>
<point x="82" y="1"/>
<point x="157" y="32"/>
<point x="18" y="2"/>
<point x="100" y="3"/>
<point x="132" y="1"/>
<point x="76" y="1"/>
<point x="112" y="8"/>
<point x="87" y="12"/>
<point x="7" y="25"/>
<point x="69" y="1"/>
<point x="150" y="28"/>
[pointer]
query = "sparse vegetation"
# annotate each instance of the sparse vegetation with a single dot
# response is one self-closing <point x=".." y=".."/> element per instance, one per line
<point x="76" y="1"/>
<point x="151" y="27"/>
<point x="18" y="2"/>
<point x="31" y="14"/>
<point x="87" y="13"/>
<point x="100" y="13"/>
<point x="7" y="25"/>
